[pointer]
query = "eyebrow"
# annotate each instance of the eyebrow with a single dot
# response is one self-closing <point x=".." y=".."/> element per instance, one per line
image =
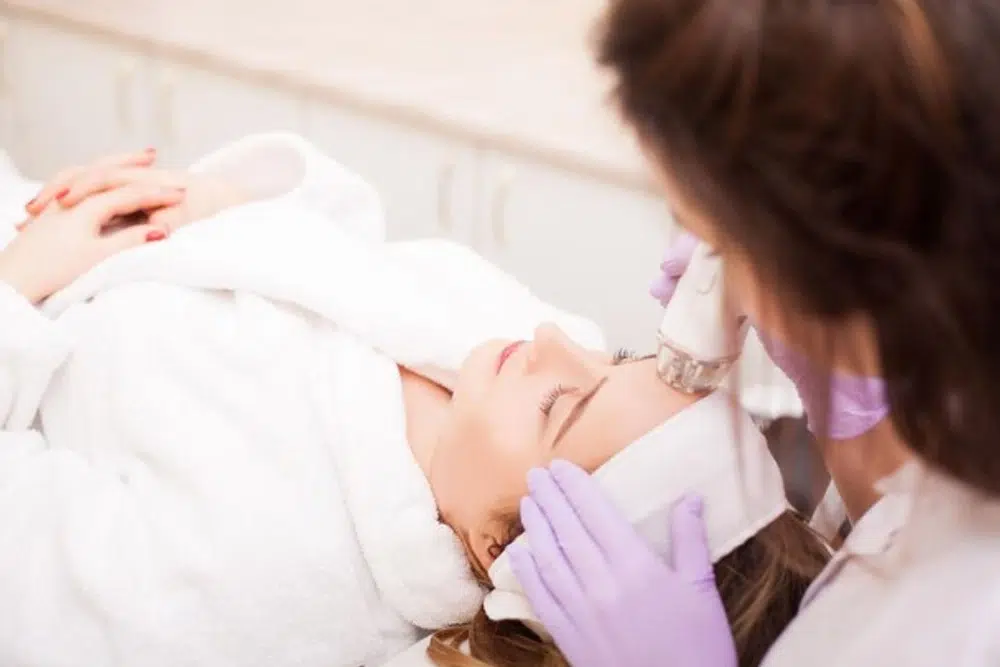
<point x="581" y="405"/>
<point x="578" y="410"/>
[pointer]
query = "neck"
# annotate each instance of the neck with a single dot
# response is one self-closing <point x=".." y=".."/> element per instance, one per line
<point x="858" y="463"/>
<point x="426" y="405"/>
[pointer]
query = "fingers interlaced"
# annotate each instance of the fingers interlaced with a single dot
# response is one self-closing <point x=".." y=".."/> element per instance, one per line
<point x="63" y="181"/>
<point x="102" y="180"/>
<point x="105" y="207"/>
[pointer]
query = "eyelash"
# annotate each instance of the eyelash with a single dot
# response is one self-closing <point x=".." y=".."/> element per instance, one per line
<point x="623" y="354"/>
<point x="550" y="399"/>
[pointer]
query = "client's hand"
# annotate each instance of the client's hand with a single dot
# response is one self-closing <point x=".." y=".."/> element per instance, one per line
<point x="205" y="196"/>
<point x="62" y="244"/>
<point x="603" y="594"/>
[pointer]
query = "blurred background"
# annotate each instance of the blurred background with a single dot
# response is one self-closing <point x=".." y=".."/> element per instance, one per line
<point x="483" y="121"/>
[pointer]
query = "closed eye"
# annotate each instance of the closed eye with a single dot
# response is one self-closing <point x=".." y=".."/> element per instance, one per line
<point x="550" y="399"/>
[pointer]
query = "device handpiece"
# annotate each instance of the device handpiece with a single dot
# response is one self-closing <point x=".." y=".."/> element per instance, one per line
<point x="699" y="340"/>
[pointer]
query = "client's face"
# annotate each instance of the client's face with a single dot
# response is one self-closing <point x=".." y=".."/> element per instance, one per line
<point x="518" y="405"/>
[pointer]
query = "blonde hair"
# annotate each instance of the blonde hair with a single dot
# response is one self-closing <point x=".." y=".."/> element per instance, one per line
<point x="761" y="584"/>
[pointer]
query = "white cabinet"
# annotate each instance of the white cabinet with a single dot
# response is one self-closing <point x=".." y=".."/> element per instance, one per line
<point x="75" y="97"/>
<point x="580" y="243"/>
<point x="583" y="245"/>
<point x="428" y="184"/>
<point x="72" y="98"/>
<point x="6" y="98"/>
<point x="195" y="112"/>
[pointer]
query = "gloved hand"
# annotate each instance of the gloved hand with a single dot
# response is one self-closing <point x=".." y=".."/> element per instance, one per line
<point x="603" y="594"/>
<point x="675" y="262"/>
<point x="857" y="404"/>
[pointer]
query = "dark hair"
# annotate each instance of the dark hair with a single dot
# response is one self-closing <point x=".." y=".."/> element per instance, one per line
<point x="850" y="150"/>
<point x="761" y="584"/>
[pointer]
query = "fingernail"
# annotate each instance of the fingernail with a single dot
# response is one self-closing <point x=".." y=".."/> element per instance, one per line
<point x="155" y="235"/>
<point x="150" y="150"/>
<point x="31" y="203"/>
<point x="21" y="225"/>
<point x="62" y="193"/>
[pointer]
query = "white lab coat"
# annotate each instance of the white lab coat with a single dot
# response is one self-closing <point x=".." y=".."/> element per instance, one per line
<point x="917" y="584"/>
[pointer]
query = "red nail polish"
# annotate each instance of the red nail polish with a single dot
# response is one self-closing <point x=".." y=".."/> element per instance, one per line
<point x="62" y="193"/>
<point x="155" y="235"/>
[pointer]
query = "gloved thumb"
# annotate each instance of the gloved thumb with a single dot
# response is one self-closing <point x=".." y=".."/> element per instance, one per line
<point x="662" y="289"/>
<point x="679" y="255"/>
<point x="675" y="262"/>
<point x="692" y="559"/>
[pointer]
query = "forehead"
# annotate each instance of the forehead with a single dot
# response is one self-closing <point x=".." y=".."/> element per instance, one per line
<point x="632" y="402"/>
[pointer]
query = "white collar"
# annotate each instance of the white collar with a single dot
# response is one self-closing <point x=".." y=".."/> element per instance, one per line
<point x="875" y="531"/>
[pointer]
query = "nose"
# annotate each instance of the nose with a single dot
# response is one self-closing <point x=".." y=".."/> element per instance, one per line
<point x="551" y="347"/>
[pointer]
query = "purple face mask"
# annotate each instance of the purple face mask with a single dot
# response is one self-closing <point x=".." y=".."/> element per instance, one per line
<point x="857" y="404"/>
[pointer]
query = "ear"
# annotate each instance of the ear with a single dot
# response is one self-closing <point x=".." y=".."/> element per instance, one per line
<point x="487" y="542"/>
<point x="494" y="535"/>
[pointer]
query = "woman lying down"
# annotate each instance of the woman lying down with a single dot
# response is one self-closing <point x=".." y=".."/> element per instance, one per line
<point x="274" y="439"/>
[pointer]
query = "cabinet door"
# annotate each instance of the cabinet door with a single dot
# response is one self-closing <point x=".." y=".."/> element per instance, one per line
<point x="6" y="98"/>
<point x="73" y="98"/>
<point x="586" y="246"/>
<point x="427" y="184"/>
<point x="196" y="111"/>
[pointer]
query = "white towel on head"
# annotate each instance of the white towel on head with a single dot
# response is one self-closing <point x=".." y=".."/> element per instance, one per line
<point x="696" y="451"/>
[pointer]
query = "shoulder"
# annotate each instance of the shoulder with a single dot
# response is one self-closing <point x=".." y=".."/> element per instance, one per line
<point x="946" y="592"/>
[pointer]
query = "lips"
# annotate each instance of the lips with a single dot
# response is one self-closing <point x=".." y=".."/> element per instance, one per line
<point x="506" y="353"/>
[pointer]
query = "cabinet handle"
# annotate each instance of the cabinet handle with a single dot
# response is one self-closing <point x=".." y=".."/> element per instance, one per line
<point x="499" y="211"/>
<point x="168" y="82"/>
<point x="123" y="90"/>
<point x="446" y="188"/>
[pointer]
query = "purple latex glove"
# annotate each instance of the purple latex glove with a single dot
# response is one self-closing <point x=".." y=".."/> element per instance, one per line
<point x="603" y="594"/>
<point x="675" y="262"/>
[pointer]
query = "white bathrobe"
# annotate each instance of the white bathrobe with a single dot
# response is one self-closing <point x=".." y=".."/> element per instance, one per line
<point x="204" y="458"/>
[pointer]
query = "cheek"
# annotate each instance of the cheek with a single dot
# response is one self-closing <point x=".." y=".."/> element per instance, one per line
<point x="493" y="453"/>
<point x="478" y="372"/>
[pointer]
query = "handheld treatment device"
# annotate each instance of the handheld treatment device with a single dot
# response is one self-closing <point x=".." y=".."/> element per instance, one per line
<point x="697" y="345"/>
